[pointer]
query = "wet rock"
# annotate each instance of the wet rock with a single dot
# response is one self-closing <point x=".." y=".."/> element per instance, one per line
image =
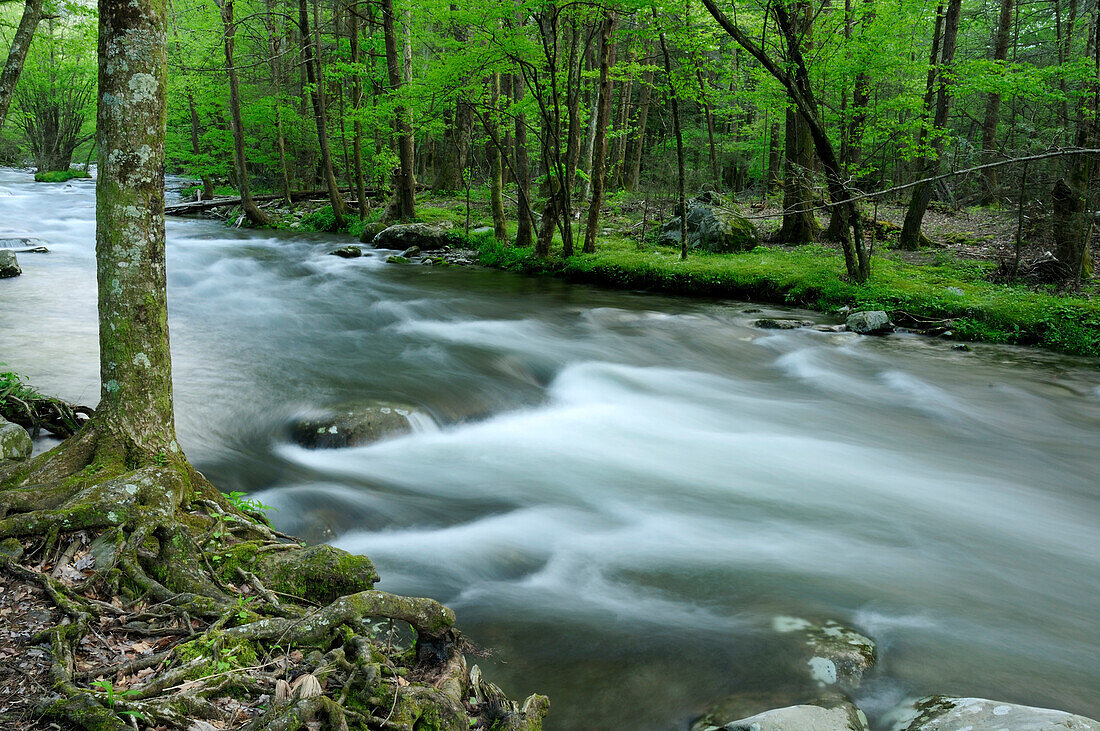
<point x="15" y="443"/>
<point x="961" y="347"/>
<point x="9" y="265"/>
<point x="371" y="230"/>
<point x="947" y="713"/>
<point x="411" y="252"/>
<point x="356" y="426"/>
<point x="825" y="715"/>
<point x="347" y="252"/>
<point x="712" y="225"/>
<point x="835" y="655"/>
<point x="395" y="259"/>
<point x="426" y="236"/>
<point x="23" y="245"/>
<point x="869" y="322"/>
<point x="830" y="328"/>
<point x="768" y="323"/>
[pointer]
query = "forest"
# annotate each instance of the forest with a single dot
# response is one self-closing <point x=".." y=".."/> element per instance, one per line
<point x="551" y="110"/>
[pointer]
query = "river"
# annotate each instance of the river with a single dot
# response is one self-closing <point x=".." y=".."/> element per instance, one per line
<point x="620" y="491"/>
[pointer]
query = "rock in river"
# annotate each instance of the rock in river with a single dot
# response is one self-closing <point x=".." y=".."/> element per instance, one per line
<point x="834" y="654"/>
<point x="355" y="426"/>
<point x="15" y="443"/>
<point x="947" y="713"/>
<point x="404" y="235"/>
<point x="780" y="323"/>
<point x="869" y="322"/>
<point x="711" y="226"/>
<point x="835" y="714"/>
<point x="347" y="252"/>
<point x="9" y="265"/>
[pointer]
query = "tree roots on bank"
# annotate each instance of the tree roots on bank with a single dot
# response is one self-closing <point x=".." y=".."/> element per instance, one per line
<point x="180" y="608"/>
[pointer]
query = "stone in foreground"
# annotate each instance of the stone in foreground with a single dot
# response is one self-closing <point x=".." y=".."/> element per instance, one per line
<point x="9" y="265"/>
<point x="404" y="235"/>
<point x="824" y="716"/>
<point x="947" y="713"/>
<point x="870" y="322"/>
<point x="780" y="323"/>
<point x="15" y="443"/>
<point x="834" y="654"/>
<point x="357" y="426"/>
<point x="347" y="252"/>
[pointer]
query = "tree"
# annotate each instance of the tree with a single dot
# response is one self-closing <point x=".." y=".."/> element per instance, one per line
<point x="20" y="45"/>
<point x="600" y="143"/>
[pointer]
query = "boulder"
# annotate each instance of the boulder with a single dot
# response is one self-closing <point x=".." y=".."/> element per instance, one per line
<point x="347" y="252"/>
<point x="833" y="714"/>
<point x="869" y="322"/>
<point x="947" y="713"/>
<point x="9" y="265"/>
<point x="411" y="252"/>
<point x="395" y="259"/>
<point x="780" y="323"/>
<point x="426" y="236"/>
<point x="371" y="230"/>
<point x="711" y="226"/>
<point x="835" y="655"/>
<point x="15" y="443"/>
<point x="355" y="426"/>
<point x="23" y="245"/>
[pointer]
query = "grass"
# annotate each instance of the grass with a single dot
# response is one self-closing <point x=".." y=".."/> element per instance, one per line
<point x="60" y="176"/>
<point x="812" y="276"/>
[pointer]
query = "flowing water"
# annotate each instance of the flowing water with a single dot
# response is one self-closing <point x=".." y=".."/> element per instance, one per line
<point x="618" y="492"/>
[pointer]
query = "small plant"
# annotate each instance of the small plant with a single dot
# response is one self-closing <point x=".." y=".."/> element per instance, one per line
<point x="113" y="696"/>
<point x="237" y="500"/>
<point x="160" y="459"/>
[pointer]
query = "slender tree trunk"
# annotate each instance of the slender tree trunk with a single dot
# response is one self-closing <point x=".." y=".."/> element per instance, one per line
<point x="993" y="105"/>
<point x="356" y="105"/>
<point x="17" y="54"/>
<point x="135" y="409"/>
<point x="600" y="143"/>
<point x="637" y="136"/>
<point x="495" y="155"/>
<point x="251" y="210"/>
<point x="524" y="224"/>
<point x="681" y="186"/>
<point x="922" y="194"/>
<point x="709" y="116"/>
<point x="316" y="95"/>
<point x="403" y="206"/>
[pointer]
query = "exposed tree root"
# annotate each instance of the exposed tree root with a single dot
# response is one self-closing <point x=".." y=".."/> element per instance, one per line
<point x="177" y="606"/>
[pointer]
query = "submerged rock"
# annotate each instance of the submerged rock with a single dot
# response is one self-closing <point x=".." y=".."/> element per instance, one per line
<point x="825" y="714"/>
<point x="711" y="226"/>
<point x="404" y="235"/>
<point x="834" y="654"/>
<point x="347" y="252"/>
<point x="947" y="713"/>
<point x="357" y="426"/>
<point x="15" y="442"/>
<point x="396" y="259"/>
<point x="23" y="245"/>
<point x="9" y="265"/>
<point x="781" y="323"/>
<point x="869" y="322"/>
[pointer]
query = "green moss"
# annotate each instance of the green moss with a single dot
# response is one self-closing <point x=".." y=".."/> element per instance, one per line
<point x="813" y="276"/>
<point x="217" y="654"/>
<point x="60" y="176"/>
<point x="317" y="573"/>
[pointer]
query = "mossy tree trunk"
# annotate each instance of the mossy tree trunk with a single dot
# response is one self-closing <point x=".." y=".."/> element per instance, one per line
<point x="403" y="206"/>
<point x="603" y="111"/>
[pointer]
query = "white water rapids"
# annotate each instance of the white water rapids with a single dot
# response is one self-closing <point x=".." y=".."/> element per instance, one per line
<point x="618" y="492"/>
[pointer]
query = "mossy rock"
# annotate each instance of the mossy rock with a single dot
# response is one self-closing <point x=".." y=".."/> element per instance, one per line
<point x="370" y="230"/>
<point x="15" y="443"/>
<point x="318" y="573"/>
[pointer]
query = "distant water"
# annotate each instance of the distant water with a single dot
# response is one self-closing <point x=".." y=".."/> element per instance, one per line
<point x="619" y="491"/>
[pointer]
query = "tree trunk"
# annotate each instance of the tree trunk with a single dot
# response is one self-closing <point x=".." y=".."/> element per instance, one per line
<point x="922" y="194"/>
<point x="600" y="143"/>
<point x="993" y="106"/>
<point x="524" y="224"/>
<point x="637" y="136"/>
<point x="495" y="155"/>
<point x="20" y="44"/>
<point x="135" y="408"/>
<point x="681" y="187"/>
<point x="709" y="116"/>
<point x="357" y="123"/>
<point x="403" y="205"/>
<point x="799" y="222"/>
<point x="255" y="215"/>
<point x="316" y="96"/>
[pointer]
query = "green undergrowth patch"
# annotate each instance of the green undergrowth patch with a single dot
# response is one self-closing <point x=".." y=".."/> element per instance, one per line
<point x="60" y="176"/>
<point x="813" y="276"/>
